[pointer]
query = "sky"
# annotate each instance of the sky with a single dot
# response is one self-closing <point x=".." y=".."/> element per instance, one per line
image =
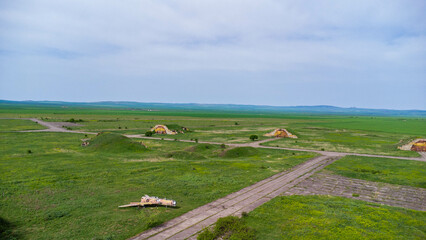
<point x="346" y="53"/>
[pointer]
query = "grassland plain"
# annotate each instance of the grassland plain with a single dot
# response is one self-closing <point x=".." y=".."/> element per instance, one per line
<point x="60" y="187"/>
<point x="326" y="217"/>
<point x="343" y="140"/>
<point x="64" y="191"/>
<point x="18" y="125"/>
<point x="394" y="171"/>
<point x="373" y="135"/>
<point x="310" y="132"/>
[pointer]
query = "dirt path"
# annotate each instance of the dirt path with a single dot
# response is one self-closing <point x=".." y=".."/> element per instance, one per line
<point x="256" y="144"/>
<point x="55" y="127"/>
<point x="52" y="126"/>
<point x="245" y="200"/>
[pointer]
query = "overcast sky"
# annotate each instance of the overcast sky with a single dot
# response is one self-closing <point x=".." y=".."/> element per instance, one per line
<point x="303" y="52"/>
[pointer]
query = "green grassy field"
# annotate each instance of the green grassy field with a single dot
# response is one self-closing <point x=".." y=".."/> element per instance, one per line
<point x="394" y="171"/>
<point x="373" y="135"/>
<point x="52" y="187"/>
<point x="325" y="217"/>
<point x="64" y="191"/>
<point x="342" y="140"/>
<point x="18" y="125"/>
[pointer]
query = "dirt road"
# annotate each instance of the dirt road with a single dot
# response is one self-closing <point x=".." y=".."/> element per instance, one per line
<point x="52" y="126"/>
<point x="256" y="144"/>
<point x="57" y="127"/>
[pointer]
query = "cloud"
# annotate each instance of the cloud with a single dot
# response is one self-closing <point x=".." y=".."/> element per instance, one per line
<point x="135" y="39"/>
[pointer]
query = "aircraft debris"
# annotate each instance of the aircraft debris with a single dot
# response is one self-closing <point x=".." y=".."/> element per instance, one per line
<point x="151" y="201"/>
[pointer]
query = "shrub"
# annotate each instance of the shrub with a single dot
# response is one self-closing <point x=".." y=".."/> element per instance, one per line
<point x="74" y="120"/>
<point x="223" y="146"/>
<point x="206" y="234"/>
<point x="253" y="137"/>
<point x="29" y="151"/>
<point x="148" y="134"/>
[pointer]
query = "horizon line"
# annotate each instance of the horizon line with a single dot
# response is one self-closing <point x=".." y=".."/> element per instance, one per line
<point x="234" y="104"/>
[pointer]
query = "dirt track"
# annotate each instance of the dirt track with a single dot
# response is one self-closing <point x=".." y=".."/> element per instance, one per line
<point x="56" y="127"/>
<point x="52" y="126"/>
<point x="256" y="144"/>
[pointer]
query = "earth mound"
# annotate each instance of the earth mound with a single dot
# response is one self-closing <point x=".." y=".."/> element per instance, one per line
<point x="418" y="145"/>
<point x="112" y="142"/>
<point x="239" y="152"/>
<point x="171" y="129"/>
<point x="201" y="147"/>
<point x="280" y="132"/>
<point x="185" y="155"/>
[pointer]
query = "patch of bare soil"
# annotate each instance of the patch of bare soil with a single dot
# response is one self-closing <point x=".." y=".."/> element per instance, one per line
<point x="383" y="193"/>
<point x="407" y="147"/>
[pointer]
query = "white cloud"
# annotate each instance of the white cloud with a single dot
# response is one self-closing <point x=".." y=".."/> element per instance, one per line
<point x="139" y="38"/>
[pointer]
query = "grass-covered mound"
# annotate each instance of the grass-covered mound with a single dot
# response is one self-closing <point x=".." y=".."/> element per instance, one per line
<point x="177" y="127"/>
<point x="114" y="143"/>
<point x="185" y="155"/>
<point x="239" y="152"/>
<point x="202" y="147"/>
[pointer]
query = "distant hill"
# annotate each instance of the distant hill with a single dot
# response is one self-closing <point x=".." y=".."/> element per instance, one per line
<point x="320" y="109"/>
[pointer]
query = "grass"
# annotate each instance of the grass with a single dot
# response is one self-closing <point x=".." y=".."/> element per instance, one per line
<point x="325" y="217"/>
<point x="240" y="152"/>
<point x="112" y="142"/>
<point x="343" y="140"/>
<point x="64" y="191"/>
<point x="53" y="188"/>
<point x="229" y="227"/>
<point x="373" y="135"/>
<point x="18" y="125"/>
<point x="387" y="170"/>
